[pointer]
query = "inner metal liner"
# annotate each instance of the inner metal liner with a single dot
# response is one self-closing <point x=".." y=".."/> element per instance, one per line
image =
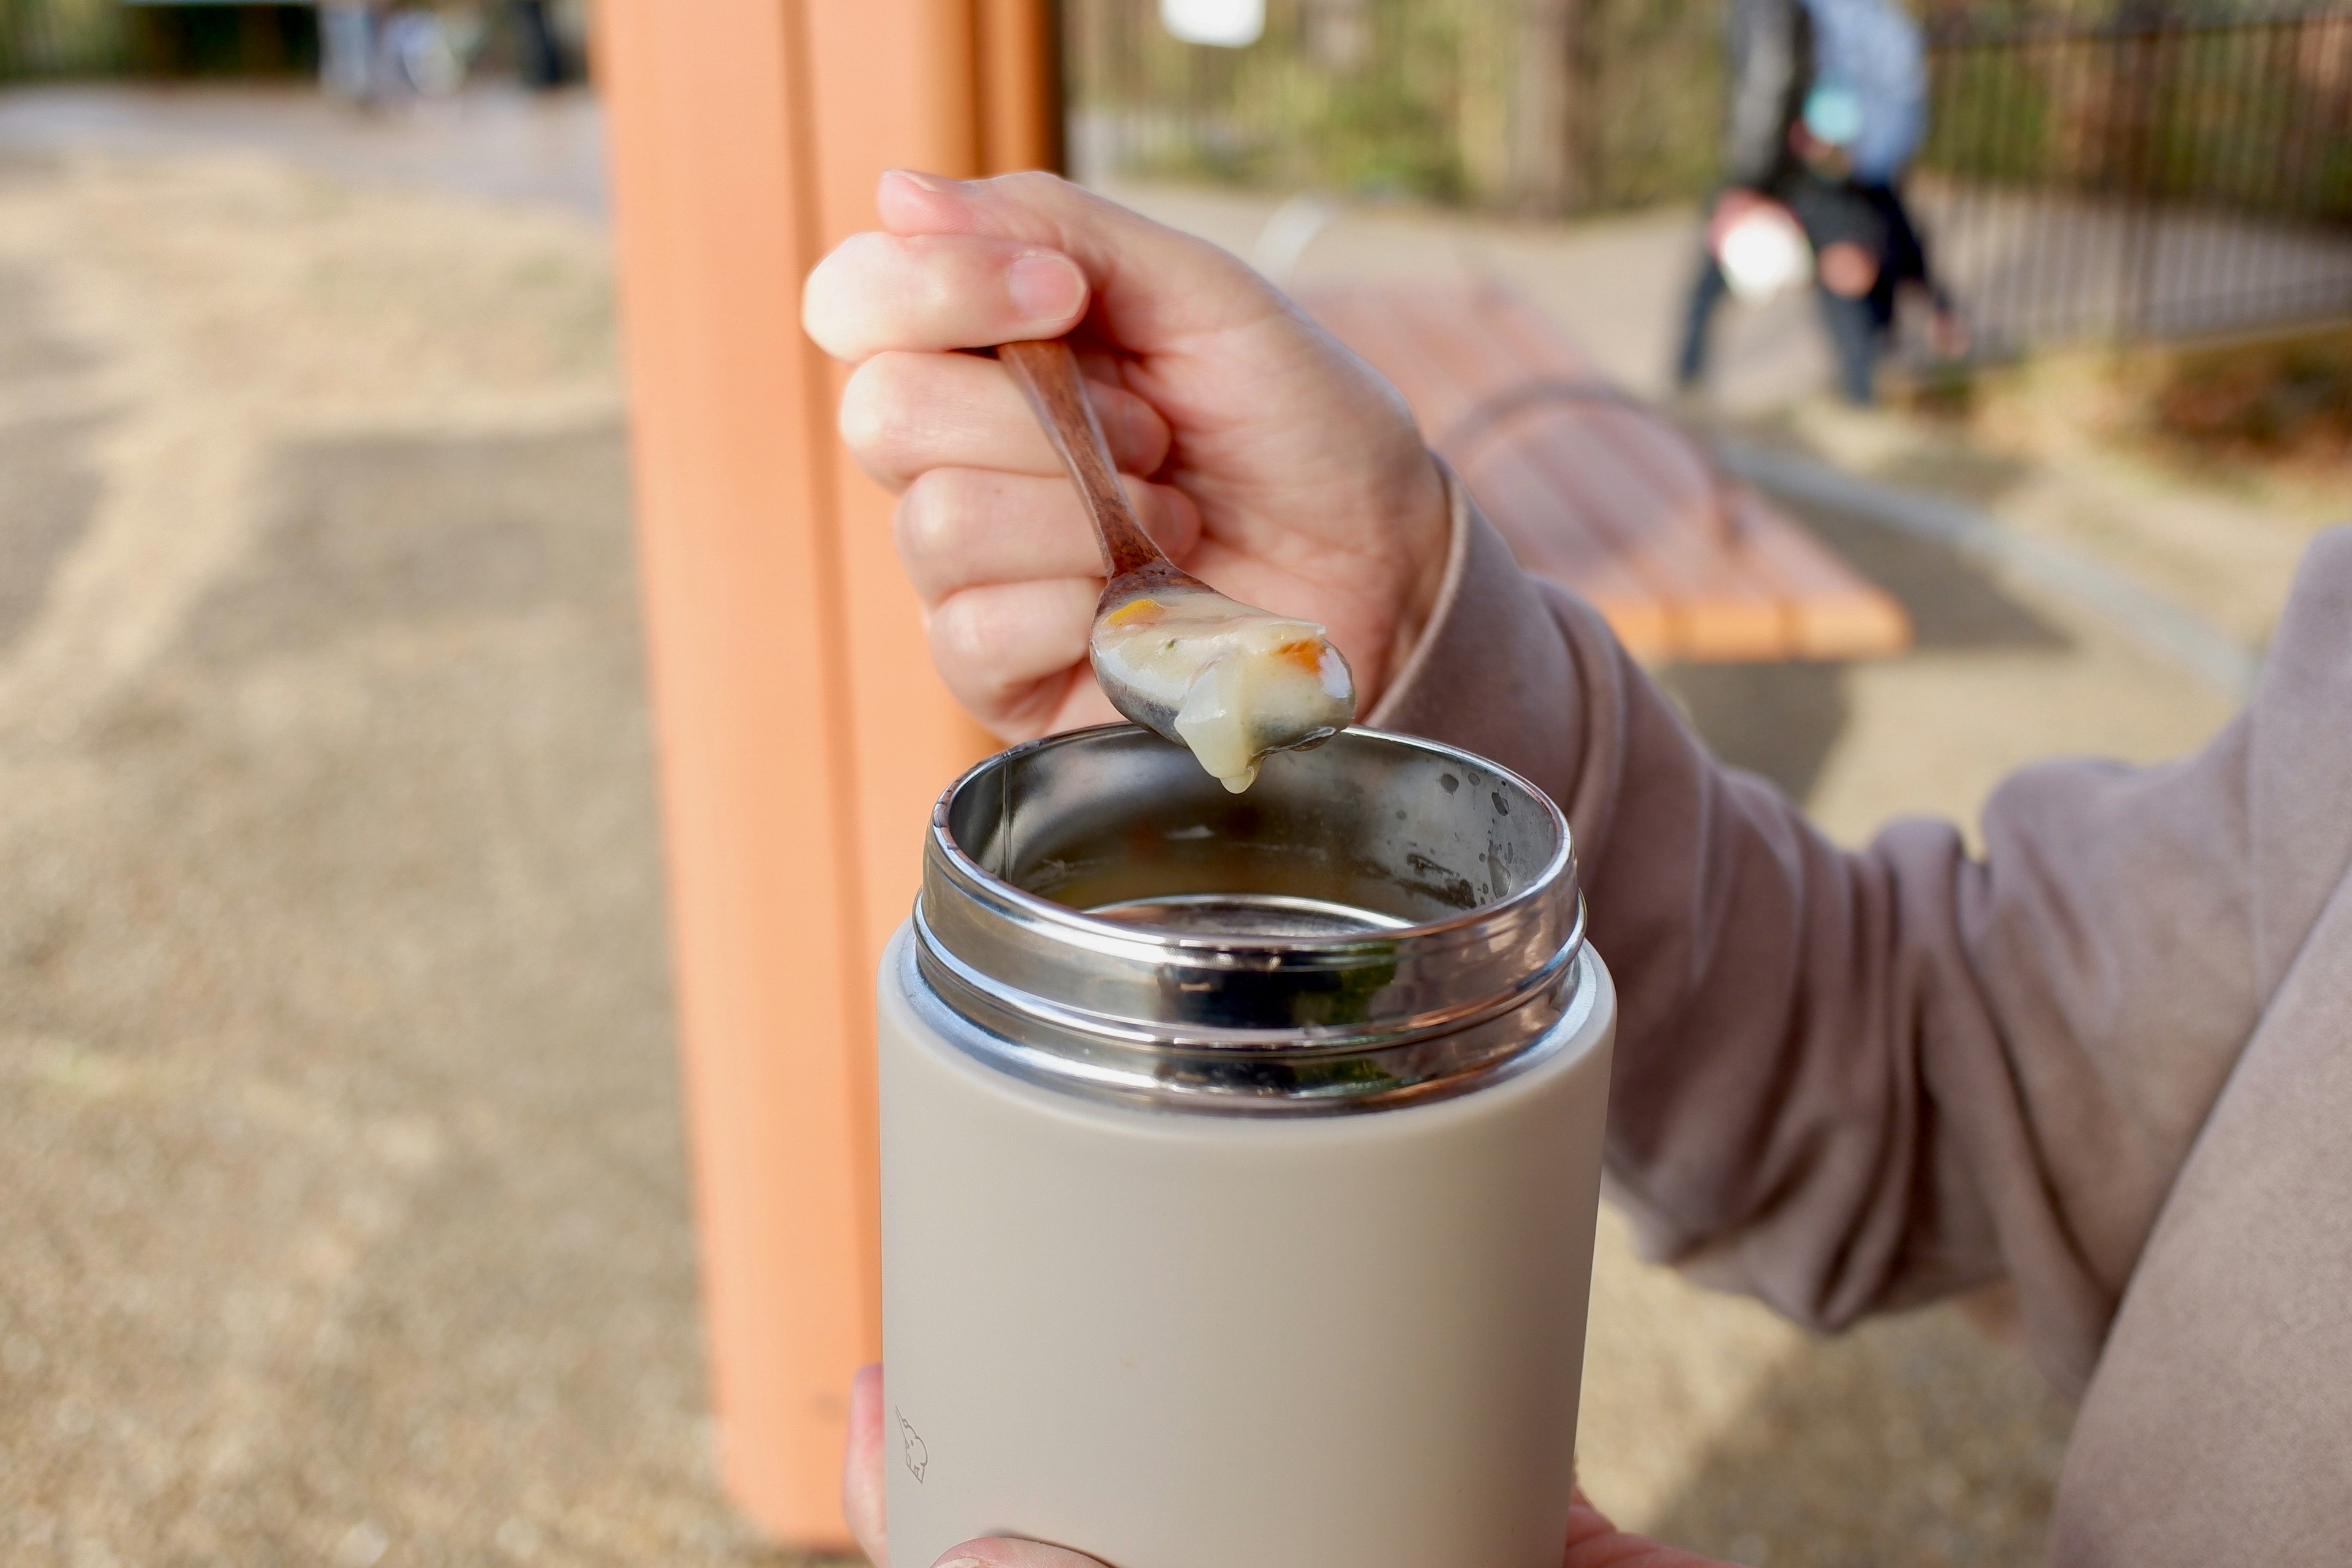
<point x="1379" y="919"/>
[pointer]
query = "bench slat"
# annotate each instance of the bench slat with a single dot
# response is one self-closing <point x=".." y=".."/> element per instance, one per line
<point x="1603" y="465"/>
<point x="1833" y="613"/>
<point x="1711" y="612"/>
<point x="1596" y="493"/>
<point x="1508" y="484"/>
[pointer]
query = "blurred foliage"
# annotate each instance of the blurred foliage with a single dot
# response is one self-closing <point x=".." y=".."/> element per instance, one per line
<point x="1419" y="98"/>
<point x="63" y="38"/>
<point x="2285" y="401"/>
<point x="1655" y="73"/>
<point x="1411" y="97"/>
<point x="2252" y="111"/>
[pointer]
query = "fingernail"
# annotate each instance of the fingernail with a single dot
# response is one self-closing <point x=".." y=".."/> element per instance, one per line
<point x="964" y="1563"/>
<point x="1045" y="288"/>
<point x="937" y="183"/>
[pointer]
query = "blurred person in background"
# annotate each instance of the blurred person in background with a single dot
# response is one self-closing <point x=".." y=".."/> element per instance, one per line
<point x="348" y="36"/>
<point x="1828" y="106"/>
<point x="371" y="53"/>
<point x="544" y="64"/>
<point x="2105" y="1058"/>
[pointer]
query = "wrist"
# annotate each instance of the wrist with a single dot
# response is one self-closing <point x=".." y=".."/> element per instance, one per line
<point x="1429" y="566"/>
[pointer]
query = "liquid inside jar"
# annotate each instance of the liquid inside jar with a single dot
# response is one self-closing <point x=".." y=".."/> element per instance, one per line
<point x="1242" y="683"/>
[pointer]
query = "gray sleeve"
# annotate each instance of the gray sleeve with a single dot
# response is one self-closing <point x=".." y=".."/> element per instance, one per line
<point x="1850" y="1081"/>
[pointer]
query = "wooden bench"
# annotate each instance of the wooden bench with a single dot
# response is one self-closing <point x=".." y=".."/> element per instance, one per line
<point x="1602" y="494"/>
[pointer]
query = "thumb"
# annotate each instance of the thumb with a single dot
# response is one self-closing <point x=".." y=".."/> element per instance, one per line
<point x="1009" y="1554"/>
<point x="862" y="1501"/>
<point x="1154" y="287"/>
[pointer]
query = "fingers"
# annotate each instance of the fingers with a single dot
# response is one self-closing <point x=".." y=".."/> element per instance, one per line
<point x="1152" y="285"/>
<point x="1005" y="1554"/>
<point x="904" y="413"/>
<point x="1847" y="269"/>
<point x="967" y="528"/>
<point x="1007" y="651"/>
<point x="861" y="1474"/>
<point x="1594" y="1542"/>
<point x="879" y="292"/>
<point x="1009" y="565"/>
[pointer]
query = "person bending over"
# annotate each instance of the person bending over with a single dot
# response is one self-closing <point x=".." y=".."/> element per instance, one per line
<point x="1828" y="103"/>
<point x="2109" y="1061"/>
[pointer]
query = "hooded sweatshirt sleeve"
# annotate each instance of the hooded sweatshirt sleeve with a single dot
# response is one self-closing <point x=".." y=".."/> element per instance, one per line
<point x="1853" y="1081"/>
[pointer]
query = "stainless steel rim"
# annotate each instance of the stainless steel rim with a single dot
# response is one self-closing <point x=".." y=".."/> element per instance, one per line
<point x="1270" y="1083"/>
<point x="1458" y="970"/>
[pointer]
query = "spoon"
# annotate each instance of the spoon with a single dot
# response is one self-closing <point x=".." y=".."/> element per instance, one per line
<point x="1207" y="672"/>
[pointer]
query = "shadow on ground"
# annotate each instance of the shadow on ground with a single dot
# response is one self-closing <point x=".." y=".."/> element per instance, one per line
<point x="1902" y="1431"/>
<point x="1908" y="1429"/>
<point x="347" y="1207"/>
<point x="48" y="483"/>
<point x="1782" y="720"/>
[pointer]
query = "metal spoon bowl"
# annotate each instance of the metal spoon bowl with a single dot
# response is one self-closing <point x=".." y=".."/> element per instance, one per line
<point x="1133" y="566"/>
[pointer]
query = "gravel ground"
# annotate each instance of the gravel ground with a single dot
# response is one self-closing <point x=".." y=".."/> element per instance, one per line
<point x="347" y="1217"/>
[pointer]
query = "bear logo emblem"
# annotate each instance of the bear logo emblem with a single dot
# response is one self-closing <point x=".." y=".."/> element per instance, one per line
<point x="919" y="1456"/>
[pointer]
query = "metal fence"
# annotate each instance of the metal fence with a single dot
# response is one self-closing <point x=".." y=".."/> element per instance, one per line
<point x="53" y="39"/>
<point x="2084" y="176"/>
<point x="2144" y="180"/>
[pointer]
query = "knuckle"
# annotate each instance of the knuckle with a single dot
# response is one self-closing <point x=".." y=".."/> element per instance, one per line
<point x="932" y="512"/>
<point x="833" y="295"/>
<point x="1168" y="516"/>
<point x="961" y="643"/>
<point x="1031" y="185"/>
<point x="876" y="404"/>
<point x="1142" y="434"/>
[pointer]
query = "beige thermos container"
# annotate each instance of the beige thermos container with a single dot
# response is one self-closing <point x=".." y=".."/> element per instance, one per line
<point x="1240" y="1157"/>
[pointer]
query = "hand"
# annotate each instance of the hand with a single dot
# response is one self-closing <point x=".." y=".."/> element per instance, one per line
<point x="1264" y="458"/>
<point x="862" y="1497"/>
<point x="1592" y="1541"/>
<point x="1847" y="269"/>
<point x="1732" y="204"/>
<point x="1947" y="332"/>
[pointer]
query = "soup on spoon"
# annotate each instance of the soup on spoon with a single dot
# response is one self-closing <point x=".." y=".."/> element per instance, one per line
<point x="1242" y="684"/>
<point x="1232" y="683"/>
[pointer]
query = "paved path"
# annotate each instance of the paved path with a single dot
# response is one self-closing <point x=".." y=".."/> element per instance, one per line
<point x="493" y="142"/>
<point x="1617" y="284"/>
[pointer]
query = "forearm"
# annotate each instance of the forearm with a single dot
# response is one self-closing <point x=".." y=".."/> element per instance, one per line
<point x="1847" y="1081"/>
<point x="1761" y="1104"/>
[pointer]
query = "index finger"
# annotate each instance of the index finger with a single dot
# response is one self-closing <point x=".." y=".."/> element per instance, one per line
<point x="933" y="292"/>
<point x="1156" y="288"/>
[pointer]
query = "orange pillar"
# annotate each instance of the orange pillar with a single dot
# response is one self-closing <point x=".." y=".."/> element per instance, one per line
<point x="803" y="735"/>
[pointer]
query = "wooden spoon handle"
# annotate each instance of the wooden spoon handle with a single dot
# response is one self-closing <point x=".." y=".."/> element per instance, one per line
<point x="1048" y="373"/>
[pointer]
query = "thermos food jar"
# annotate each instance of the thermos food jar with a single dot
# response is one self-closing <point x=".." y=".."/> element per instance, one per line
<point x="1240" y="1157"/>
